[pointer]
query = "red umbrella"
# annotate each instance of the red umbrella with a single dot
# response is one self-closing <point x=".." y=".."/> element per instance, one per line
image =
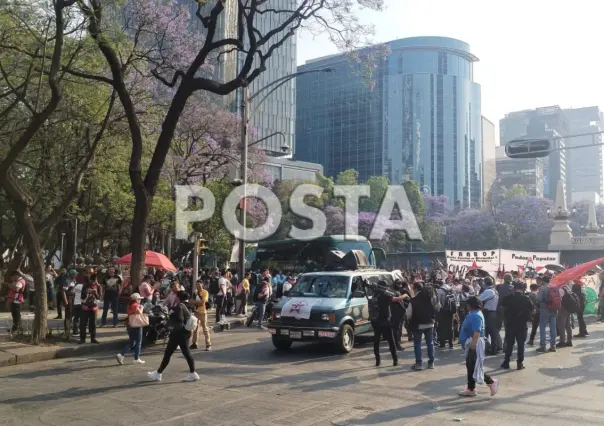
<point x="152" y="260"/>
<point x="576" y="272"/>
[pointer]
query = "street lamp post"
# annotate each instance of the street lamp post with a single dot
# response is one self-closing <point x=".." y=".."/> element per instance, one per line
<point x="246" y="99"/>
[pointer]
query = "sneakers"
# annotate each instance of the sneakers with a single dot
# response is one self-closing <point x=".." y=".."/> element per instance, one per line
<point x="552" y="349"/>
<point x="208" y="348"/>
<point x="494" y="387"/>
<point x="120" y="359"/>
<point x="467" y="392"/>
<point x="417" y="367"/>
<point x="193" y="346"/>
<point x="139" y="361"/>
<point x="541" y="349"/>
<point x="191" y="377"/>
<point x="154" y="375"/>
<point x="530" y="343"/>
<point x="431" y="365"/>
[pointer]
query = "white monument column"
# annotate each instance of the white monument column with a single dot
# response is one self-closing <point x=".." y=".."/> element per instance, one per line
<point x="592" y="228"/>
<point x="561" y="234"/>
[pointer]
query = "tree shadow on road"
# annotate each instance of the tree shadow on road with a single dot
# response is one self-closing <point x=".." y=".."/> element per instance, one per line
<point x="74" y="392"/>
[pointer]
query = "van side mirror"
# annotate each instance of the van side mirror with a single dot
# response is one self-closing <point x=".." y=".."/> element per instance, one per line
<point x="357" y="294"/>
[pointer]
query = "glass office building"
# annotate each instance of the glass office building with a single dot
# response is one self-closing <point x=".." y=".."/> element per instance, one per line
<point x="277" y="114"/>
<point x="421" y="119"/>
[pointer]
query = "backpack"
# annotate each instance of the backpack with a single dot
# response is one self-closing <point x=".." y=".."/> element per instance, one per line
<point x="191" y="321"/>
<point x="257" y="291"/>
<point x="450" y="302"/>
<point x="374" y="310"/>
<point x="554" y="301"/>
<point x="433" y="297"/>
<point x="571" y="302"/>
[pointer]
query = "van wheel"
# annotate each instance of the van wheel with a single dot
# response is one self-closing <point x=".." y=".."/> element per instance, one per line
<point x="281" y="344"/>
<point x="346" y="339"/>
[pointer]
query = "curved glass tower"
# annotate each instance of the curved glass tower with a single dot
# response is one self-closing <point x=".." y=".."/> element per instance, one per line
<point x="421" y="121"/>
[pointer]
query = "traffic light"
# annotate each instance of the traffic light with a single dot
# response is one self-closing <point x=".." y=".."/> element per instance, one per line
<point x="527" y="148"/>
<point x="200" y="246"/>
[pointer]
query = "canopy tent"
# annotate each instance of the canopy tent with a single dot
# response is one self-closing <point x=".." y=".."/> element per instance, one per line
<point x="152" y="260"/>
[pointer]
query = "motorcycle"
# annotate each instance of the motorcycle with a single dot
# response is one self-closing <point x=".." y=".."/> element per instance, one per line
<point x="157" y="328"/>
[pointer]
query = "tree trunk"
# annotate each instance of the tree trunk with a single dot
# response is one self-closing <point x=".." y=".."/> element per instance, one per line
<point x="139" y="235"/>
<point x="32" y="242"/>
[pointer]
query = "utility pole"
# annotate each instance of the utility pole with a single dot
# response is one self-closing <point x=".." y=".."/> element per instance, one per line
<point x="243" y="177"/>
<point x="195" y="261"/>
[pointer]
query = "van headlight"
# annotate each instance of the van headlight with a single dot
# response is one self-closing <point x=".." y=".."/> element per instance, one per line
<point x="329" y="317"/>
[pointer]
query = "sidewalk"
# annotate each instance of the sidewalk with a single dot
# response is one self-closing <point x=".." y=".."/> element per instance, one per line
<point x="12" y="353"/>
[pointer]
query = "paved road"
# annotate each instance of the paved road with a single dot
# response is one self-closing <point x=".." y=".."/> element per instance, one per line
<point x="245" y="382"/>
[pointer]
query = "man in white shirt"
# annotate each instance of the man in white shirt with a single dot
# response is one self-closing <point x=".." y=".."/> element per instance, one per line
<point x="77" y="307"/>
<point x="287" y="286"/>
<point x="223" y="283"/>
<point x="490" y="301"/>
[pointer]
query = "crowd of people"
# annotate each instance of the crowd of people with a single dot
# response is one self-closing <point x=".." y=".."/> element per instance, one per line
<point x="443" y="310"/>
<point x="437" y="308"/>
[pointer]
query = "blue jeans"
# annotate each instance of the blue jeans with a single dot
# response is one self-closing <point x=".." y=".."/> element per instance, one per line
<point x="136" y="339"/>
<point x="547" y="317"/>
<point x="428" y="334"/>
<point x="260" y="307"/>
<point x="113" y="301"/>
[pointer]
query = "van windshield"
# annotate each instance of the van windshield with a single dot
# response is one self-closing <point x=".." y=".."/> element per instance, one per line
<point x="321" y="286"/>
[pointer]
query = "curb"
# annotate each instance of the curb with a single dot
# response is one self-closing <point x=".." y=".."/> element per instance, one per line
<point x="24" y="355"/>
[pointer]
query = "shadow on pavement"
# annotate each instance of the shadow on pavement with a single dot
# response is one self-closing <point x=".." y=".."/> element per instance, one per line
<point x="74" y="392"/>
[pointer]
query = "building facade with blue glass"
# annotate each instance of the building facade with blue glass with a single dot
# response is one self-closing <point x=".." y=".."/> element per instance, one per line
<point x="419" y="120"/>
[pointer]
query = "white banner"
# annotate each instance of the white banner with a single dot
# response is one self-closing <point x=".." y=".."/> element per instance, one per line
<point x="515" y="260"/>
<point x="299" y="308"/>
<point x="460" y="262"/>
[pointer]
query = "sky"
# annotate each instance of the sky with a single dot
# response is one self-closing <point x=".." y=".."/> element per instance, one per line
<point x="532" y="53"/>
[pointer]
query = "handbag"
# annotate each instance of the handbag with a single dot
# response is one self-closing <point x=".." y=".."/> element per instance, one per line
<point x="138" y="321"/>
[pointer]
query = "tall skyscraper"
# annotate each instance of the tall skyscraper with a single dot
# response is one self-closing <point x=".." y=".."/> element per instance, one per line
<point x="581" y="169"/>
<point x="420" y="120"/>
<point x="585" y="165"/>
<point x="276" y="114"/>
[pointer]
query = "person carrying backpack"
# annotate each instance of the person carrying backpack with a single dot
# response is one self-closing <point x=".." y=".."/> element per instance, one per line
<point x="181" y="323"/>
<point x="571" y="304"/>
<point x="448" y="308"/>
<point x="518" y="310"/>
<point x="380" y="313"/>
<point x="579" y="289"/>
<point x="550" y="302"/>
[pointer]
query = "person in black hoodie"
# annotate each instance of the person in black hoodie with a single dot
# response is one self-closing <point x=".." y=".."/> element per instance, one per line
<point x="420" y="314"/>
<point x="518" y="309"/>
<point x="504" y="289"/>
<point x="579" y="290"/>
<point x="381" y="321"/>
<point x="179" y="337"/>
<point x="398" y="315"/>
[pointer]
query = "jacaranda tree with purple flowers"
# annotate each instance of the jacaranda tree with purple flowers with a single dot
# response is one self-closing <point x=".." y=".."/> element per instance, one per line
<point x="161" y="46"/>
